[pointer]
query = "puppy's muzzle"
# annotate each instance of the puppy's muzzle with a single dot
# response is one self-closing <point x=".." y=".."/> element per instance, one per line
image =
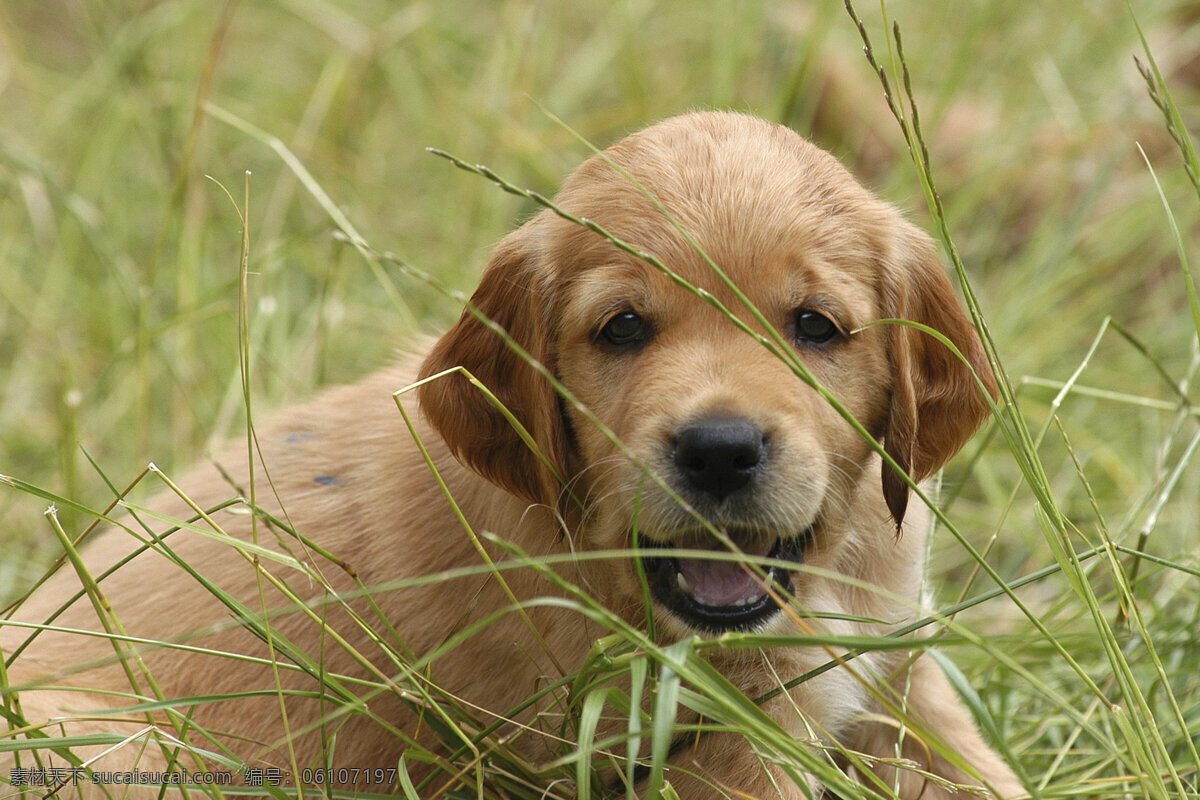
<point x="721" y="465"/>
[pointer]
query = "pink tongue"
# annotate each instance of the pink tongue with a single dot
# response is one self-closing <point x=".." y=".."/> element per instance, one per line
<point x="720" y="583"/>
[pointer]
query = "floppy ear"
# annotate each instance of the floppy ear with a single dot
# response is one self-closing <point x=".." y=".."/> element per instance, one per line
<point x="510" y="294"/>
<point x="936" y="405"/>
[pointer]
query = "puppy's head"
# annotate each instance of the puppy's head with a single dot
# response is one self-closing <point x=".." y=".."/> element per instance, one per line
<point x="685" y="420"/>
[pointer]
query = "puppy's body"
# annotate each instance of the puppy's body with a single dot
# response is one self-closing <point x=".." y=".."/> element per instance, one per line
<point x="368" y="482"/>
<point x="707" y="415"/>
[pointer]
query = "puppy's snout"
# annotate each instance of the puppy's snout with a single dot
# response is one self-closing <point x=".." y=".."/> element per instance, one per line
<point x="719" y="455"/>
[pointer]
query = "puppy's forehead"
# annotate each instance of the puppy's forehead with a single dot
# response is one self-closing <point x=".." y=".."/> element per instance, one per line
<point x="755" y="197"/>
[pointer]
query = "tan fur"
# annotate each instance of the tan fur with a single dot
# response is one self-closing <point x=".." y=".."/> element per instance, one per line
<point x="790" y="227"/>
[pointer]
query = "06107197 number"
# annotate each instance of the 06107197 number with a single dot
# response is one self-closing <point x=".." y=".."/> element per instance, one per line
<point x="347" y="775"/>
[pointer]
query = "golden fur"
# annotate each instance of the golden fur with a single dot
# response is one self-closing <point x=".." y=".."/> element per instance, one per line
<point x="793" y="231"/>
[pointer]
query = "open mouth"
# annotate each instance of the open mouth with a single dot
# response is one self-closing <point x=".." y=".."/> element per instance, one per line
<point x="723" y="595"/>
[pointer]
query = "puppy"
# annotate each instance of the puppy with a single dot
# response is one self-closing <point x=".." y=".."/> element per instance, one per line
<point x="671" y="428"/>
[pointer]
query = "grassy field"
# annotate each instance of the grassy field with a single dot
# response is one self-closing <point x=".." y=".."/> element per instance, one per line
<point x="119" y="253"/>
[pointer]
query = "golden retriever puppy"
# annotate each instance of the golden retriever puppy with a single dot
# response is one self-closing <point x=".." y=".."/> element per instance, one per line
<point x="677" y="428"/>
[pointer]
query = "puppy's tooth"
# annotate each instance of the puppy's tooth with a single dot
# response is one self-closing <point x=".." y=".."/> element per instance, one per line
<point x="682" y="583"/>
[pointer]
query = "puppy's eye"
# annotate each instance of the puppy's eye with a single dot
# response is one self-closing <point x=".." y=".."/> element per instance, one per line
<point x="624" y="330"/>
<point x="813" y="327"/>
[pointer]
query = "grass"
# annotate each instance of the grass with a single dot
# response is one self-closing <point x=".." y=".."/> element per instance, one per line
<point x="1077" y="627"/>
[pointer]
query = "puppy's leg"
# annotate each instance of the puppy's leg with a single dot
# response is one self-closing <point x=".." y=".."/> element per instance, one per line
<point x="933" y="703"/>
<point x="719" y="766"/>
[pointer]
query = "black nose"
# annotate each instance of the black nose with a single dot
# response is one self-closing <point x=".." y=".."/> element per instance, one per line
<point x="718" y="455"/>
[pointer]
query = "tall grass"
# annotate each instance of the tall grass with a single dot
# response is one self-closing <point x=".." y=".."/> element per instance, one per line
<point x="1070" y="598"/>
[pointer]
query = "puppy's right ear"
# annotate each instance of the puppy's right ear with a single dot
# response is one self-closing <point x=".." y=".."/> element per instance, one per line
<point x="936" y="405"/>
<point x="516" y="295"/>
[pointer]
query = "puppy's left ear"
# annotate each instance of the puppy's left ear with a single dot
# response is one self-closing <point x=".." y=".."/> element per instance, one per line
<point x="936" y="404"/>
<point x="515" y="295"/>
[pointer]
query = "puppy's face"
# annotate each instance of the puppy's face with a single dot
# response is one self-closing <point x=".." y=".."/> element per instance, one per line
<point x="701" y="426"/>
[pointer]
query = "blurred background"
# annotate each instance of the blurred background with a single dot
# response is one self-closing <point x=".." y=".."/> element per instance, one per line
<point x="119" y="249"/>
